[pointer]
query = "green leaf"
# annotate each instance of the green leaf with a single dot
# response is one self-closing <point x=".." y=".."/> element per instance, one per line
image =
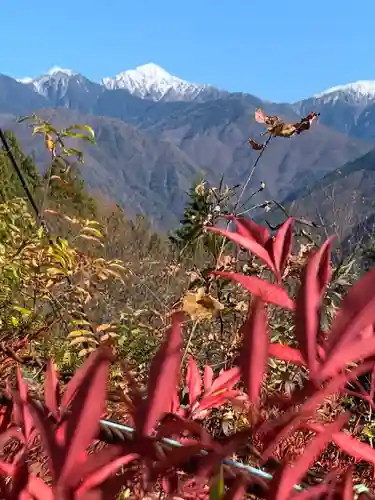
<point x="14" y="321"/>
<point x="80" y="340"/>
<point x="69" y="132"/>
<point x="25" y="118"/>
<point x="78" y="333"/>
<point x="217" y="487"/>
<point x="22" y="310"/>
<point x="93" y="231"/>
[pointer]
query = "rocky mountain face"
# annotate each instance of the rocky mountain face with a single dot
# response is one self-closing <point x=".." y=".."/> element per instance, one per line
<point x="156" y="134"/>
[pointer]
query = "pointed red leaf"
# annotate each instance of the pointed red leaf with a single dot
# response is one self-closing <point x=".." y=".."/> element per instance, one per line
<point x="36" y="487"/>
<point x="181" y="426"/>
<point x="356" y="351"/>
<point x="225" y="380"/>
<point x="47" y="433"/>
<point x="347" y="486"/>
<point x="282" y="246"/>
<point x="214" y="400"/>
<point x="86" y="410"/>
<point x="291" y="474"/>
<point x="325" y="268"/>
<point x="193" y="381"/>
<point x="307" y="318"/>
<point x="208" y="376"/>
<point x="175" y="403"/>
<point x="356" y="313"/>
<point x="94" y="462"/>
<point x="20" y="402"/>
<point x="249" y="229"/>
<point x="309" y="397"/>
<point x="176" y="457"/>
<point x="254" y="352"/>
<point x="102" y="473"/>
<point x="266" y="291"/>
<point x="163" y="378"/>
<point x="250" y="244"/>
<point x="51" y="389"/>
<point x="286" y="353"/>
<point x="75" y="383"/>
<point x="353" y="447"/>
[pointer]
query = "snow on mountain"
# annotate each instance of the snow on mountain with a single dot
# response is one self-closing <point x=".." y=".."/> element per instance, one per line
<point x="363" y="90"/>
<point x="153" y="82"/>
<point x="56" y="77"/>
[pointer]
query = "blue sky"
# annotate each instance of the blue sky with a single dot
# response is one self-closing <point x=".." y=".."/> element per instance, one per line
<point x="281" y="50"/>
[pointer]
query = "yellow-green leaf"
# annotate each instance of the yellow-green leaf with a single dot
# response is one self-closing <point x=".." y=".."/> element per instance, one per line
<point x="80" y="340"/>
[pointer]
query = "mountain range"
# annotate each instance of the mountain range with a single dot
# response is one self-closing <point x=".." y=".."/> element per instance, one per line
<point x="157" y="134"/>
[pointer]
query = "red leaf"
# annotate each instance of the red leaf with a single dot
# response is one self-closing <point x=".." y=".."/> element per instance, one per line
<point x="249" y="229"/>
<point x="175" y="403"/>
<point x="208" y="376"/>
<point x="46" y="430"/>
<point x="101" y="474"/>
<point x="177" y="457"/>
<point x="86" y="410"/>
<point x="180" y="426"/>
<point x="22" y="411"/>
<point x="247" y="243"/>
<point x="325" y="269"/>
<point x="338" y="359"/>
<point x="52" y="390"/>
<point x="347" y="486"/>
<point x="356" y="313"/>
<point x="291" y="474"/>
<point x="254" y="352"/>
<point x="307" y="319"/>
<point x="214" y="400"/>
<point x="163" y="378"/>
<point x="194" y="381"/>
<point x="282" y="246"/>
<point x="75" y="383"/>
<point x="357" y="449"/>
<point x="286" y="353"/>
<point x="310" y="397"/>
<point x="225" y="380"/>
<point x="259" y="116"/>
<point x="36" y="487"/>
<point x="268" y="292"/>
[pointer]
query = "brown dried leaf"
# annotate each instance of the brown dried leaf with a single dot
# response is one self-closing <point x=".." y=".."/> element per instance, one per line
<point x="200" y="305"/>
<point x="282" y="130"/>
<point x="255" y="145"/>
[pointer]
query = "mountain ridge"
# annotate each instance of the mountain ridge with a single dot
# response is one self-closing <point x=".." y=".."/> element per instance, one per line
<point x="151" y="150"/>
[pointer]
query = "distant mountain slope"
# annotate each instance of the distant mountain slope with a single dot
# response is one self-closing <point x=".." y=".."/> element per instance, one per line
<point x="343" y="200"/>
<point x="152" y="147"/>
<point x="138" y="171"/>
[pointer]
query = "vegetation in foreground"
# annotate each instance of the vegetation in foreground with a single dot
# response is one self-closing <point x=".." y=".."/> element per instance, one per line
<point x="247" y="345"/>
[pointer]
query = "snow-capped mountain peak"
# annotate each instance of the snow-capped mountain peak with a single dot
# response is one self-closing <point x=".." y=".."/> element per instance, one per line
<point x="363" y="90"/>
<point x="55" y="79"/>
<point x="56" y="70"/>
<point x="148" y="81"/>
<point x="153" y="82"/>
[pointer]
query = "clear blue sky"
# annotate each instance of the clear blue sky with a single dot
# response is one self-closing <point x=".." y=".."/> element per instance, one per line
<point x="279" y="50"/>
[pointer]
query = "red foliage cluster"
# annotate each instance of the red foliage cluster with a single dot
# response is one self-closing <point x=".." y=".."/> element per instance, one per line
<point x="68" y="423"/>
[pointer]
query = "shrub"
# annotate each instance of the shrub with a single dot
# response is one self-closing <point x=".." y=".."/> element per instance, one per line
<point x="69" y="425"/>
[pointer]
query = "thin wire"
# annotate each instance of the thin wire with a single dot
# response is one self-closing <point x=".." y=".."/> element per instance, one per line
<point x="253" y="471"/>
<point x="22" y="180"/>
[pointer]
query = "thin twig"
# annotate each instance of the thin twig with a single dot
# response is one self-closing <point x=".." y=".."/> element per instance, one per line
<point x="189" y="342"/>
